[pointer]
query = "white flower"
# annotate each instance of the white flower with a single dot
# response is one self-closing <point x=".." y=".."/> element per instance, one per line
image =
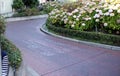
<point x="70" y="22"/>
<point x="62" y="19"/>
<point x="110" y="10"/>
<point x="65" y="16"/>
<point x="97" y="20"/>
<point x="61" y="15"/>
<point x="79" y="16"/>
<point x="65" y="20"/>
<point x="74" y="11"/>
<point x="118" y="5"/>
<point x="77" y="19"/>
<point x="115" y="8"/>
<point x="107" y="14"/>
<point x="105" y="24"/>
<point x="89" y="18"/>
<point x="100" y="13"/>
<point x="97" y="10"/>
<point x="96" y="16"/>
<point x="70" y="14"/>
<point x="83" y="24"/>
<point x="72" y="25"/>
<point x="74" y="16"/>
<point x="118" y="11"/>
<point x="88" y="3"/>
<point x="112" y="14"/>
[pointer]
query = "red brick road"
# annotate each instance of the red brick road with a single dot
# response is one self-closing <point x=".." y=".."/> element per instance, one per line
<point x="51" y="56"/>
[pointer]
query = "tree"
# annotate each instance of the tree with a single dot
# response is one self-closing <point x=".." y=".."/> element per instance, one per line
<point x="18" y="4"/>
<point x="31" y="3"/>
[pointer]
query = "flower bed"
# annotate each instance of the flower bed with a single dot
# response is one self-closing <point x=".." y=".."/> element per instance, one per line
<point x="88" y="16"/>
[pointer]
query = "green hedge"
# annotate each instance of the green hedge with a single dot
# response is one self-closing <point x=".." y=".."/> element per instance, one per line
<point x="83" y="35"/>
<point x="2" y="25"/>
<point x="14" y="53"/>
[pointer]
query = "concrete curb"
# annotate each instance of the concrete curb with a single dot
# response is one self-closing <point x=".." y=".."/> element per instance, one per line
<point x="31" y="72"/>
<point x="116" y="48"/>
<point x="25" y="18"/>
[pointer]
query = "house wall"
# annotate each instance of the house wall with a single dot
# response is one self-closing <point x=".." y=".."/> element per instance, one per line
<point x="5" y="6"/>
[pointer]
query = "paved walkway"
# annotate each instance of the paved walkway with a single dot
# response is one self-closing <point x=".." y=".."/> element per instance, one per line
<point x="52" y="56"/>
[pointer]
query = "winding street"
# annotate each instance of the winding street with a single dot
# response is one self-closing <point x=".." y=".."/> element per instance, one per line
<point x="52" y="56"/>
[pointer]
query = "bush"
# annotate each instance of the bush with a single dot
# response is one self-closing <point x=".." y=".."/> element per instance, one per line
<point x="49" y="6"/>
<point x="18" y="5"/>
<point x="27" y="12"/>
<point x="31" y="3"/>
<point x="2" y="25"/>
<point x="14" y="55"/>
<point x="90" y="36"/>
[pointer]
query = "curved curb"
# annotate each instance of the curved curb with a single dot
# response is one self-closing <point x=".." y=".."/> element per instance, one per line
<point x="45" y="30"/>
<point x="25" y="18"/>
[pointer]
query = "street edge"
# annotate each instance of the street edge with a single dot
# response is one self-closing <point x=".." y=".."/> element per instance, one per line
<point x="45" y="30"/>
<point x="25" y="18"/>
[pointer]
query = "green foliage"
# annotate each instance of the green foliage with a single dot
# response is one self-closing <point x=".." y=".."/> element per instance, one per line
<point x="2" y="25"/>
<point x="18" y="5"/>
<point x="90" y="36"/>
<point x="31" y="3"/>
<point x="49" y="6"/>
<point x="14" y="55"/>
<point x="27" y="12"/>
<point x="88" y="16"/>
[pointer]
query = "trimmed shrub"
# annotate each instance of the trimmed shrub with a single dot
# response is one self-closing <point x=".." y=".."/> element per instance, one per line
<point x="14" y="54"/>
<point x="90" y="36"/>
